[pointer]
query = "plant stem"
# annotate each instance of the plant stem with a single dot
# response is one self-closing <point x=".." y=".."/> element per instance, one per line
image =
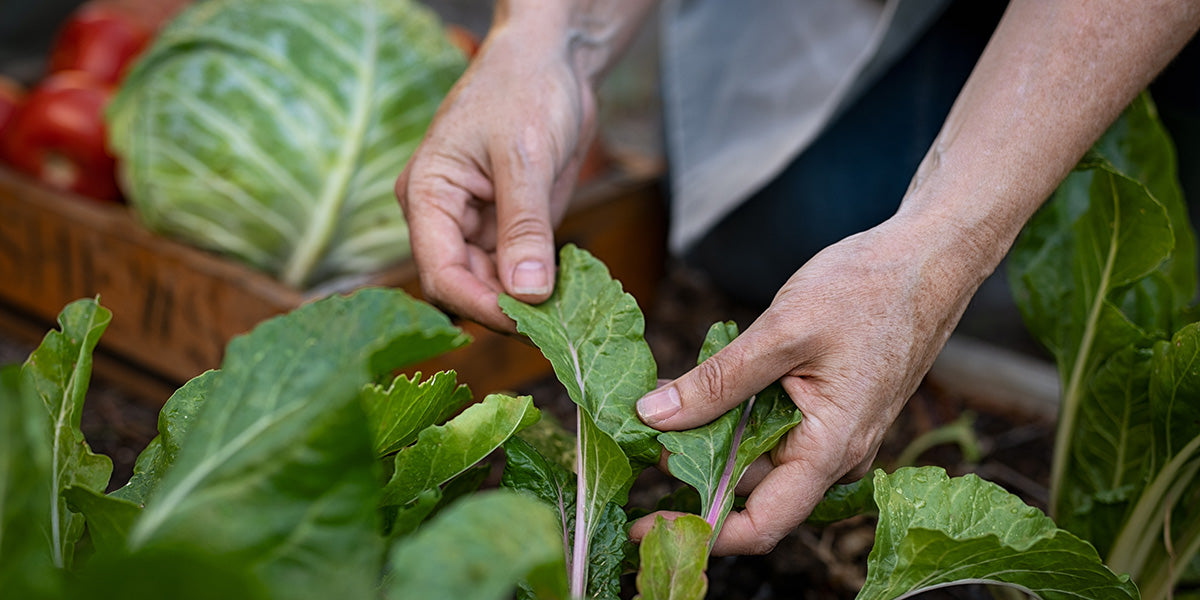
<point x="1160" y="580"/>
<point x="1140" y="531"/>
<point x="579" y="554"/>
<point x="725" y="487"/>
<point x="961" y="431"/>
<point x="1074" y="389"/>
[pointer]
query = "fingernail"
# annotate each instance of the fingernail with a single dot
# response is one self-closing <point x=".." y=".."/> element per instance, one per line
<point x="658" y="405"/>
<point x="530" y="277"/>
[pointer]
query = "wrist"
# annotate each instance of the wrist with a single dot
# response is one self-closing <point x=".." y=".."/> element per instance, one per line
<point x="945" y="251"/>
<point x="590" y="35"/>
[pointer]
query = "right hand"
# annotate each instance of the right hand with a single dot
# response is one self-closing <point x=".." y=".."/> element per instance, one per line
<point x="849" y="337"/>
<point x="491" y="179"/>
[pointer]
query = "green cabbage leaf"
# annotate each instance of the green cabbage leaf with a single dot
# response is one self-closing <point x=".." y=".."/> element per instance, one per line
<point x="272" y="131"/>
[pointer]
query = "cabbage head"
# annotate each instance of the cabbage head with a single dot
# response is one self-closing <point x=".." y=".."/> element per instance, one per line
<point x="273" y="130"/>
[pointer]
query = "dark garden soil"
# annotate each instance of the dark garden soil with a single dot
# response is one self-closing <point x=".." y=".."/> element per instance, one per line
<point x="811" y="563"/>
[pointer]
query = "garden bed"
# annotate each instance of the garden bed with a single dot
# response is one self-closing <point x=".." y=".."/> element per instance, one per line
<point x="176" y="307"/>
<point x="812" y="562"/>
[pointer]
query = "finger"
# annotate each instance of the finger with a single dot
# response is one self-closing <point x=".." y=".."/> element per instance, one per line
<point x="641" y="527"/>
<point x="786" y="495"/>
<point x="754" y="475"/>
<point x="454" y="274"/>
<point x="524" y="177"/>
<point x="748" y="364"/>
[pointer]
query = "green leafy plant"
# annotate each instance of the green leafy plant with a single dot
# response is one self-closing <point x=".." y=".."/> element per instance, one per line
<point x="294" y="471"/>
<point x="934" y="530"/>
<point x="306" y="468"/>
<point x="1105" y="275"/>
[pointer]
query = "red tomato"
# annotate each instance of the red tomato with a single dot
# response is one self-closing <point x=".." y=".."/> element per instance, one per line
<point x="101" y="39"/>
<point x="464" y="39"/>
<point x="11" y="94"/>
<point x="57" y="135"/>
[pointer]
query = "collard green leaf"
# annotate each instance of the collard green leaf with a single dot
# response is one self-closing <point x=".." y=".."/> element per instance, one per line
<point x="444" y="451"/>
<point x="1106" y="231"/>
<point x="400" y="521"/>
<point x="175" y="573"/>
<point x="603" y="477"/>
<point x="712" y="458"/>
<point x="1138" y="145"/>
<point x="281" y="436"/>
<point x="109" y="518"/>
<point x="674" y="557"/>
<point x="273" y="130"/>
<point x="528" y="471"/>
<point x="1118" y="466"/>
<point x="552" y="441"/>
<point x="1114" y="446"/>
<point x="1167" y="506"/>
<point x="844" y="501"/>
<point x="1174" y="388"/>
<point x="606" y="473"/>
<point x="26" y="564"/>
<point x="174" y="421"/>
<point x="479" y="549"/>
<point x="593" y="335"/>
<point x="57" y="373"/>
<point x="464" y="484"/>
<point x="935" y="531"/>
<point x="397" y="413"/>
<point x="606" y="554"/>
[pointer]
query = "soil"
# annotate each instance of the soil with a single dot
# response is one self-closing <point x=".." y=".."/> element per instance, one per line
<point x="811" y="563"/>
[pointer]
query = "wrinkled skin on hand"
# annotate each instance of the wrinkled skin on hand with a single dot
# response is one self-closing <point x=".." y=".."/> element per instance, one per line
<point x="849" y="336"/>
<point x="493" y="176"/>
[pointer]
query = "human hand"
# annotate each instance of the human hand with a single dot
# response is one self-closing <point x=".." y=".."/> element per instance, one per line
<point x="492" y="177"/>
<point x="849" y="336"/>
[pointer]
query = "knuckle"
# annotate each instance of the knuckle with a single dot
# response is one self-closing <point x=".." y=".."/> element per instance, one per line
<point x="420" y="188"/>
<point x="710" y="378"/>
<point x="526" y="228"/>
<point x="761" y="542"/>
<point x="430" y="289"/>
<point x="764" y="546"/>
<point x="858" y="472"/>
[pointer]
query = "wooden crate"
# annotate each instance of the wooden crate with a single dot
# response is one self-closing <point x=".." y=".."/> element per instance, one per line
<point x="175" y="307"/>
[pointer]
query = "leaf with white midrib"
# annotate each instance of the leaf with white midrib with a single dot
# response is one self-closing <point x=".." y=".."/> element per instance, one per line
<point x="443" y="451"/>
<point x="1104" y="211"/>
<point x="713" y="457"/>
<point x="593" y="335"/>
<point x="282" y="436"/>
<point x="936" y="531"/>
<point x="290" y="101"/>
<point x="397" y="413"/>
<point x="57" y="373"/>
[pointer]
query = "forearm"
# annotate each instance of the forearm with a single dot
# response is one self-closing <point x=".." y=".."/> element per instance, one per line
<point x="592" y="33"/>
<point x="1052" y="79"/>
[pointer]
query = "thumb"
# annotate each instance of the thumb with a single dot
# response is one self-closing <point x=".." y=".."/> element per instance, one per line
<point x="713" y="387"/>
<point x="525" y="235"/>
